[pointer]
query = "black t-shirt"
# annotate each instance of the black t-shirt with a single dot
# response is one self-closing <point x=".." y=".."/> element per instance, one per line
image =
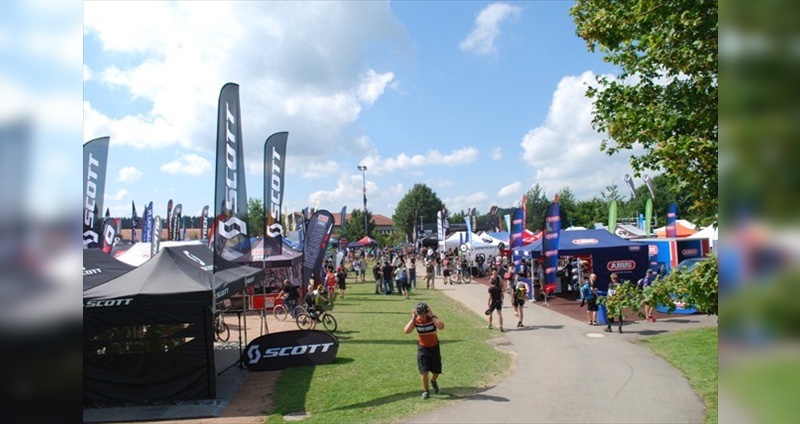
<point x="495" y="293"/>
<point x="291" y="292"/>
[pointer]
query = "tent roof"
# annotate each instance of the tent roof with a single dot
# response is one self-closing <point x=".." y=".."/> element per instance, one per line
<point x="99" y="267"/>
<point x="287" y="257"/>
<point x="683" y="228"/>
<point x="710" y="232"/>
<point x="177" y="270"/>
<point x="367" y="241"/>
<point x="139" y="253"/>
<point x="578" y="241"/>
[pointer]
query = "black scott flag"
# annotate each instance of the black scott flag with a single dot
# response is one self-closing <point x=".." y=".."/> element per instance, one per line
<point x="274" y="173"/>
<point x="317" y="235"/>
<point x="231" y="240"/>
<point x="95" y="162"/>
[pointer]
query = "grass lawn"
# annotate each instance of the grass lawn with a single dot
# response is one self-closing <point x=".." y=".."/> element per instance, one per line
<point x="694" y="353"/>
<point x="766" y="387"/>
<point x="374" y="377"/>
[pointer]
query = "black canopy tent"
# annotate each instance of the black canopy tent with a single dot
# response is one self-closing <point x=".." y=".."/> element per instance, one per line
<point x="99" y="267"/>
<point x="148" y="334"/>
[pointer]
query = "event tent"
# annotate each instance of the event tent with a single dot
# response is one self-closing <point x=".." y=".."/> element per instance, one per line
<point x="368" y="241"/>
<point x="457" y="239"/>
<point x="711" y="233"/>
<point x="610" y="254"/>
<point x="683" y="228"/>
<point x="99" y="267"/>
<point x="147" y="333"/>
<point x="139" y="253"/>
<point x="288" y="257"/>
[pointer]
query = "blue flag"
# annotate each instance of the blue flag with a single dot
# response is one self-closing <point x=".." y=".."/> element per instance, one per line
<point x="552" y="230"/>
<point x="134" y="222"/>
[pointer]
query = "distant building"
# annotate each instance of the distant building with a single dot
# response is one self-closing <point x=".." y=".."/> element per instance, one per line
<point x="383" y="224"/>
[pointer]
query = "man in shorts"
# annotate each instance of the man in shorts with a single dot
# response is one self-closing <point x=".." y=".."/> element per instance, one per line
<point x="495" y="302"/>
<point x="429" y="358"/>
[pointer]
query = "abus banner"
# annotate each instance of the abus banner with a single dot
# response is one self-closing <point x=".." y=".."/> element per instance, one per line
<point x="288" y="349"/>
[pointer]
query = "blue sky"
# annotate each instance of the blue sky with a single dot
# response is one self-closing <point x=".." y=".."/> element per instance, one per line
<point x="477" y="100"/>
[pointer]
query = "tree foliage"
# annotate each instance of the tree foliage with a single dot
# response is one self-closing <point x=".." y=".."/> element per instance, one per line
<point x="255" y="217"/>
<point x="354" y="227"/>
<point x="536" y="203"/>
<point x="665" y="98"/>
<point x="419" y="203"/>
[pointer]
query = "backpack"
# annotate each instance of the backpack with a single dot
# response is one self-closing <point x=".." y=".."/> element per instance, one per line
<point x="640" y="283"/>
<point x="586" y="292"/>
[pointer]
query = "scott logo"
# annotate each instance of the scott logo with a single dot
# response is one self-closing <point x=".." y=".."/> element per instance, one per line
<point x="89" y="202"/>
<point x="274" y="228"/>
<point x="231" y="160"/>
<point x="623" y="265"/>
<point x="202" y="264"/>
<point x="254" y="353"/>
<point x="108" y="302"/>
<point x="232" y="227"/>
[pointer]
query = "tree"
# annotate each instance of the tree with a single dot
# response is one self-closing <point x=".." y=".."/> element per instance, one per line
<point x="419" y="203"/>
<point x="535" y="206"/>
<point x="567" y="205"/>
<point x="665" y="98"/>
<point x="354" y="227"/>
<point x="255" y="217"/>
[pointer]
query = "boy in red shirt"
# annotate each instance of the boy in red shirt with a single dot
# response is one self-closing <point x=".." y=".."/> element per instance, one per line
<point x="429" y="358"/>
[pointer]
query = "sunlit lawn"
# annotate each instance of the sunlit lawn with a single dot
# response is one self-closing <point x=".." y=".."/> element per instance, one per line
<point x="374" y="377"/>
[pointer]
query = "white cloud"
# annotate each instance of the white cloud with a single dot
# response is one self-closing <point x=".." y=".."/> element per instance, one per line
<point x="87" y="73"/>
<point x="321" y="169"/>
<point x="403" y="162"/>
<point x="463" y="202"/>
<point x="510" y="190"/>
<point x="565" y="149"/>
<point x="311" y="83"/>
<point x="122" y="194"/>
<point x="497" y="153"/>
<point x="397" y="190"/>
<point x="189" y="164"/>
<point x="487" y="27"/>
<point x="129" y="174"/>
<point x="347" y="192"/>
<point x="373" y="85"/>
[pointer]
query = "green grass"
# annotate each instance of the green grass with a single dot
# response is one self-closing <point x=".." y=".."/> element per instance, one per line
<point x="766" y="387"/>
<point x="374" y="377"/>
<point x="694" y="353"/>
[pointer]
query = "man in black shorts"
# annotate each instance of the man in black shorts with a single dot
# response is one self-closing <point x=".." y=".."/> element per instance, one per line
<point x="495" y="301"/>
<point x="429" y="358"/>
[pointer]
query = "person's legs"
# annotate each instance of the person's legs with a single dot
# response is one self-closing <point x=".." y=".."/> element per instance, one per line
<point x="491" y="316"/>
<point x="521" y="314"/>
<point x="500" y="317"/>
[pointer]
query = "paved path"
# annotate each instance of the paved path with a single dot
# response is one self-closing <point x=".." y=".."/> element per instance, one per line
<point x="569" y="372"/>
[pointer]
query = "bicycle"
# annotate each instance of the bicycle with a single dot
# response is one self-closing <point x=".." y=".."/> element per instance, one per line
<point x="280" y="312"/>
<point x="305" y="320"/>
<point x="221" y="331"/>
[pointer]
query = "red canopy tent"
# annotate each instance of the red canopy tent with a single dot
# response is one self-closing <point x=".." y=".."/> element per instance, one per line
<point x="368" y="241"/>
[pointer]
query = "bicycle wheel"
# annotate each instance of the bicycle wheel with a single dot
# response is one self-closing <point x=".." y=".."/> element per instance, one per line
<point x="304" y="321"/>
<point x="329" y="322"/>
<point x="467" y="277"/>
<point x="298" y="310"/>
<point x="223" y="332"/>
<point x="280" y="312"/>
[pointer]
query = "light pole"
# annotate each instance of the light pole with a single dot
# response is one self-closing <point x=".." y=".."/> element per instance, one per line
<point x="363" y="169"/>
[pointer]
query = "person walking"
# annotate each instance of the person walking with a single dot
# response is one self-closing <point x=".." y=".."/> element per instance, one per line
<point x="429" y="274"/>
<point x="612" y="288"/>
<point x="589" y="294"/>
<point x="647" y="281"/>
<point x="341" y="280"/>
<point x="412" y="275"/>
<point x="401" y="279"/>
<point x="387" y="272"/>
<point x="518" y="301"/>
<point x="429" y="357"/>
<point x="495" y="302"/>
<point x="377" y="274"/>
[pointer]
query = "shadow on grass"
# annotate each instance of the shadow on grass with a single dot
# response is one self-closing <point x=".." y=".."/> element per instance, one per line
<point x="452" y="393"/>
<point x="678" y="320"/>
<point x="647" y="332"/>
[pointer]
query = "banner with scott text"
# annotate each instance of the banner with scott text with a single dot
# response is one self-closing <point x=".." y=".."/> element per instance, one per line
<point x="286" y="349"/>
<point x="231" y="238"/>
<point x="147" y="226"/>
<point x="95" y="163"/>
<point x="204" y="223"/>
<point x="155" y="236"/>
<point x="274" y="177"/>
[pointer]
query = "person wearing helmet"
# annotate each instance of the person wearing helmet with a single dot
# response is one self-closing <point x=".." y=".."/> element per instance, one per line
<point x="520" y="294"/>
<point x="429" y="358"/>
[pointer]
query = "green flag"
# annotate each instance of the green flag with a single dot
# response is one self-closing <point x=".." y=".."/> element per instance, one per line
<point x="648" y="216"/>
<point x="612" y="217"/>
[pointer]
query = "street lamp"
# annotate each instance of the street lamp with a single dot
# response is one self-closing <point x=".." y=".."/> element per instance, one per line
<point x="363" y="169"/>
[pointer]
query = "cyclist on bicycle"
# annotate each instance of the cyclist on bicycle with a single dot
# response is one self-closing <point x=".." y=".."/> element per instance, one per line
<point x="312" y="299"/>
<point x="464" y="267"/>
<point x="289" y="295"/>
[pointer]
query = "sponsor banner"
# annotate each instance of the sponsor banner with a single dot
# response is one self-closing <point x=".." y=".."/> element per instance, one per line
<point x="612" y="217"/>
<point x="439" y="226"/>
<point x="585" y="242"/>
<point x="317" y="235"/>
<point x="155" y="236"/>
<point x="469" y="229"/>
<point x="95" y="162"/>
<point x="629" y="181"/>
<point x="175" y="223"/>
<point x="231" y="238"/>
<point x="342" y="216"/>
<point x="204" y="223"/>
<point x="110" y="234"/>
<point x="672" y="220"/>
<point x="147" y="227"/>
<point x="649" y="183"/>
<point x="287" y="349"/>
<point x="552" y="229"/>
<point x="134" y="222"/>
<point x="274" y="175"/>
<point x="169" y="220"/>
<point x="648" y="217"/>
<point x="515" y="236"/>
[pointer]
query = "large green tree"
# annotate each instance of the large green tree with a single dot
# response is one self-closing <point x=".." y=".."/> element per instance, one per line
<point x="535" y="206"/>
<point x="665" y="98"/>
<point x="420" y="203"/>
<point x="255" y="217"/>
<point x="354" y="227"/>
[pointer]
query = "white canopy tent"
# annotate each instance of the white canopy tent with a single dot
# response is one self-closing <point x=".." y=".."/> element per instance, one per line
<point x="139" y="253"/>
<point x="456" y="239"/>
<point x="711" y="233"/>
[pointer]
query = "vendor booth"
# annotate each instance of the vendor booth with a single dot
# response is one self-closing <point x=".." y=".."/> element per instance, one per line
<point x="147" y="334"/>
<point x="608" y="253"/>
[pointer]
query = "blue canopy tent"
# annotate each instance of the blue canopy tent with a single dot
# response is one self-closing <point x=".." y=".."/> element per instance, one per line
<point x="610" y="254"/>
